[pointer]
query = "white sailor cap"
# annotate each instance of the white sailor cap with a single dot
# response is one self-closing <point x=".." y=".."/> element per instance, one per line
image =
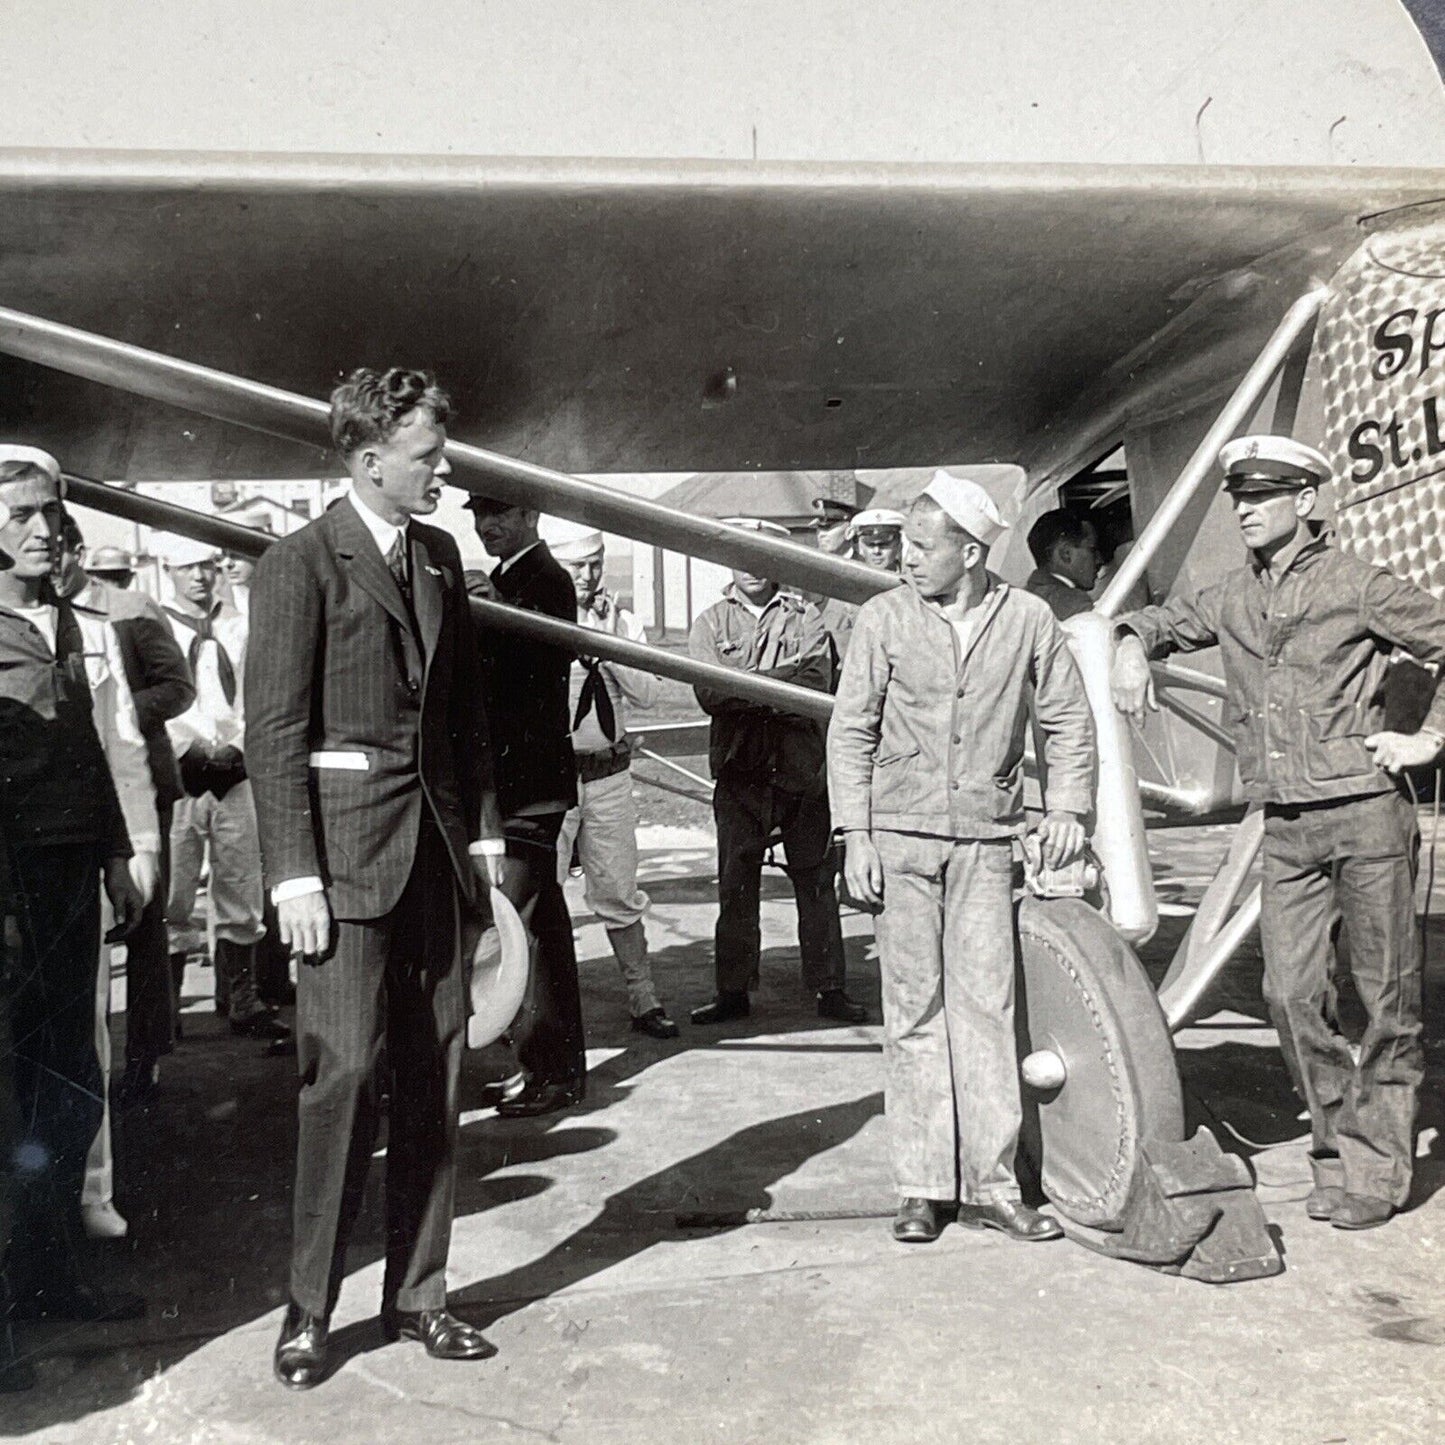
<point x="876" y="517"/>
<point x="969" y="505"/>
<point x="1271" y="463"/>
<point x="176" y="551"/>
<point x="759" y="524"/>
<point x="13" y="452"/>
<point x="570" y="541"/>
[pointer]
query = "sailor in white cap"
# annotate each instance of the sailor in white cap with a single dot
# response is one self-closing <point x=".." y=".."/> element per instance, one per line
<point x="876" y="537"/>
<point x="877" y="534"/>
<point x="603" y="825"/>
<point x="925" y="767"/>
<point x="77" y="804"/>
<point x="12" y="452"/>
<point x="217" y="808"/>
<point x="769" y="777"/>
<point x="1305" y="634"/>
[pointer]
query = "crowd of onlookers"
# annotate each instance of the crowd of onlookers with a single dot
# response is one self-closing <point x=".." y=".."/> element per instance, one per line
<point x="126" y="790"/>
<point x="430" y="757"/>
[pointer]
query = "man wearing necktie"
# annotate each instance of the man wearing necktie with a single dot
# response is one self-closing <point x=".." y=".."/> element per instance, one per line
<point x="217" y="812"/>
<point x="368" y="748"/>
<point x="524" y="684"/>
<point x="603" y="825"/>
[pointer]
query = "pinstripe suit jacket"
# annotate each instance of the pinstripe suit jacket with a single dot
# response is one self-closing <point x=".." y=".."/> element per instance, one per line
<point x="358" y="717"/>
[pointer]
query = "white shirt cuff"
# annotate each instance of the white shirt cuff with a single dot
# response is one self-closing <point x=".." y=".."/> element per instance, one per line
<point x="487" y="848"/>
<point x="295" y="888"/>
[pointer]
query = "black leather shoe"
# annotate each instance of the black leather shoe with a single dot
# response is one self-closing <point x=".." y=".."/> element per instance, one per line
<point x="261" y="1025"/>
<point x="1361" y="1211"/>
<point x="833" y="1003"/>
<point x="1324" y="1200"/>
<point x="656" y="1024"/>
<point x="81" y="1302"/>
<point x="444" y="1336"/>
<point x="300" y="1359"/>
<point x="917" y="1221"/>
<point x="539" y="1098"/>
<point x="723" y="1009"/>
<point x="1013" y="1218"/>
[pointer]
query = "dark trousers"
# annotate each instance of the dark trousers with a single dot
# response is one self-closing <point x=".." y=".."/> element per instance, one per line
<point x="149" y="1008"/>
<point x="747" y="814"/>
<point x="273" y="963"/>
<point x="395" y="981"/>
<point x="50" y="991"/>
<point x="1355" y="860"/>
<point x="551" y="1045"/>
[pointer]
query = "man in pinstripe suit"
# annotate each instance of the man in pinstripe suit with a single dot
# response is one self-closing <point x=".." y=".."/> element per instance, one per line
<point x="372" y="775"/>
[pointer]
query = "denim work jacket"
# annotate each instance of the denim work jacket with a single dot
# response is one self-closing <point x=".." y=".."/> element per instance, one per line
<point x="1304" y="659"/>
<point x="925" y="740"/>
<point x="787" y="643"/>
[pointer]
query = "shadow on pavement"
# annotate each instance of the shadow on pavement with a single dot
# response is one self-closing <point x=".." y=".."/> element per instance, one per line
<point x="204" y="1177"/>
<point x="735" y="1175"/>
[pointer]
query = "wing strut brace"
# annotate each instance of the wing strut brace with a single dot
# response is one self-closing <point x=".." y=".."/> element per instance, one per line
<point x="299" y="418"/>
<point x="1219" y="927"/>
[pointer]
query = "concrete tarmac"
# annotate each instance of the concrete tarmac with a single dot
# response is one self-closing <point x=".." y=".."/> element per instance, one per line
<point x="614" y="1324"/>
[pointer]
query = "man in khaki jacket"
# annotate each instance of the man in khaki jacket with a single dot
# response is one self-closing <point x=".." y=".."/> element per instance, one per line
<point x="925" y="769"/>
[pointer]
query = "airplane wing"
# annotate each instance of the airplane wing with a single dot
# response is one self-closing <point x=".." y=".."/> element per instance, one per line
<point x="649" y="316"/>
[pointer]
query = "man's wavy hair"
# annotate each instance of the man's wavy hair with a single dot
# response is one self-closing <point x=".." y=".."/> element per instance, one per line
<point x="370" y="405"/>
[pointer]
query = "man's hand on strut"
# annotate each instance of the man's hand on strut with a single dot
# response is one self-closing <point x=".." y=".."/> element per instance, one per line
<point x="1395" y="751"/>
<point x="125" y="900"/>
<point x="304" y="924"/>
<point x="1131" y="680"/>
<point x="863" y="869"/>
<point x="1062" y="836"/>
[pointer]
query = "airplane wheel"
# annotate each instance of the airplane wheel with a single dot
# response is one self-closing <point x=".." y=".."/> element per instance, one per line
<point x="1096" y="1056"/>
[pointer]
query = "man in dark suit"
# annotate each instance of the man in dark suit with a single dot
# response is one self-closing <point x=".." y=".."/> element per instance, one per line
<point x="525" y="688"/>
<point x="161" y="688"/>
<point x="368" y="754"/>
<point x="1065" y="550"/>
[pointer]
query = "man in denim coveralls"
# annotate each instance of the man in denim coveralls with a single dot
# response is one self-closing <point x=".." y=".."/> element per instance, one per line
<point x="1305" y="632"/>
<point x="925" y="768"/>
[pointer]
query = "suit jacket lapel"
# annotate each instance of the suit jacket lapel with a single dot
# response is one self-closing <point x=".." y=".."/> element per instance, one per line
<point x="357" y="549"/>
<point x="426" y="594"/>
<point x="512" y="584"/>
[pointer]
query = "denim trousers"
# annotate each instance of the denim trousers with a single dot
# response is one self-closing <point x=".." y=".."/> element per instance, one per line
<point x="947" y="954"/>
<point x="1352" y="859"/>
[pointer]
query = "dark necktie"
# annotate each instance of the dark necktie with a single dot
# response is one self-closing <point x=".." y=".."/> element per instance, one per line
<point x="69" y="641"/>
<point x="396" y="562"/>
<point x="70" y="651"/>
